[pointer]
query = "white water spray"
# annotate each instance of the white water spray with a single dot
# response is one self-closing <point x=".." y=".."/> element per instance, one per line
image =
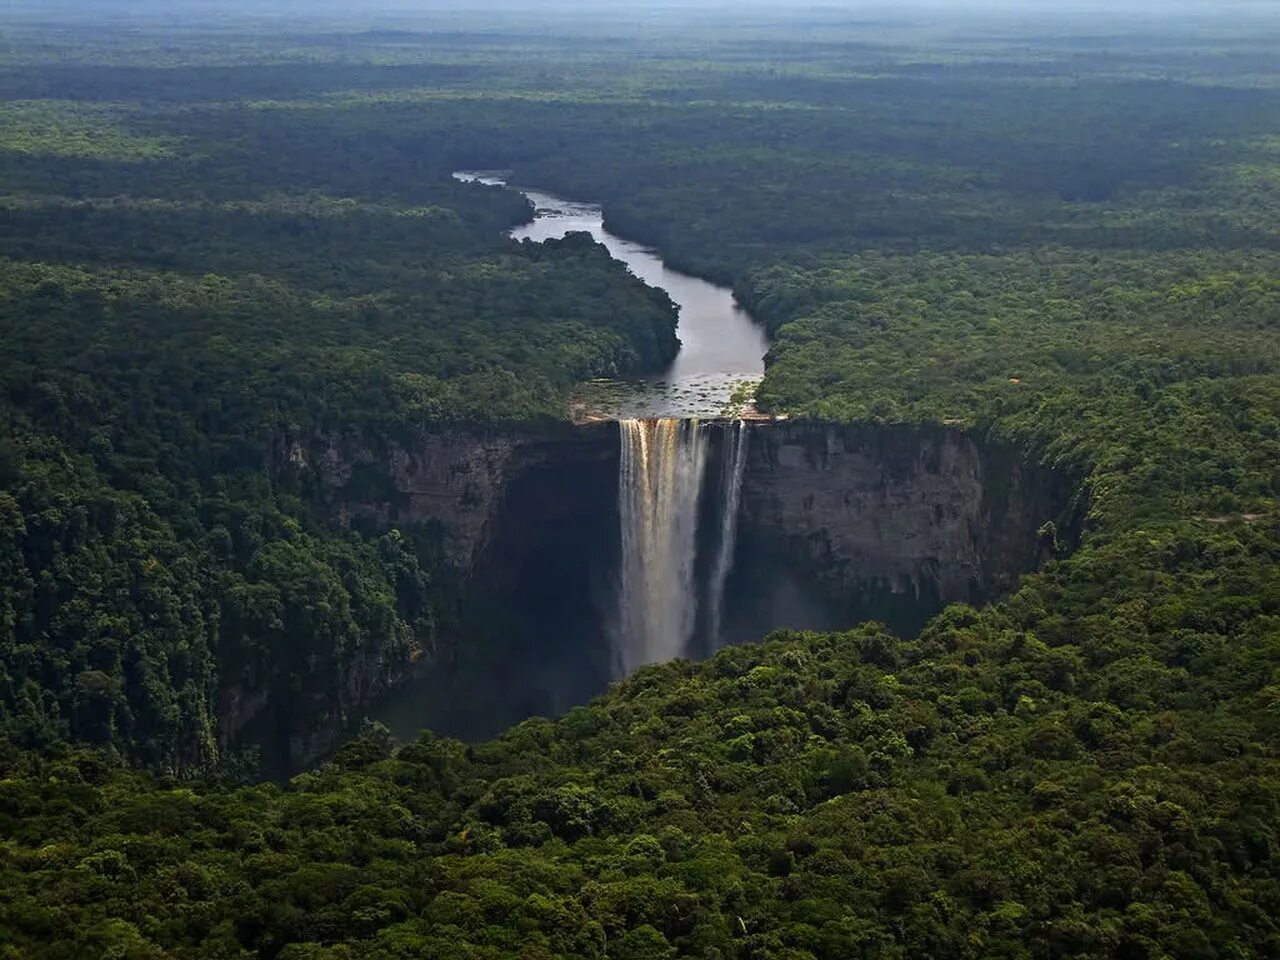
<point x="732" y="466"/>
<point x="659" y="485"/>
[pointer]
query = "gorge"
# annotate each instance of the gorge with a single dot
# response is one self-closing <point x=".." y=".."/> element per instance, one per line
<point x="574" y="553"/>
<point x="834" y="525"/>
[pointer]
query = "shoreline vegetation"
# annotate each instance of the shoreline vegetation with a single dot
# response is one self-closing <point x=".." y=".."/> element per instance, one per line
<point x="1066" y="240"/>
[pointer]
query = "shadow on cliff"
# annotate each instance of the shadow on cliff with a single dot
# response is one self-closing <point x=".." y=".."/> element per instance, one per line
<point x="837" y="524"/>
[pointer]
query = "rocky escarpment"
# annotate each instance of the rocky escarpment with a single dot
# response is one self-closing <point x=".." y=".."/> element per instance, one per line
<point x="453" y="491"/>
<point x="892" y="521"/>
<point x="837" y="524"/>
<point x="450" y="481"/>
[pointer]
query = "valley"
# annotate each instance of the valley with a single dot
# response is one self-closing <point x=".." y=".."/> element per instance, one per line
<point x="875" y="554"/>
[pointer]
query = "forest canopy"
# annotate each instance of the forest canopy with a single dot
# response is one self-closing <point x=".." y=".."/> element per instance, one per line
<point x="1065" y="241"/>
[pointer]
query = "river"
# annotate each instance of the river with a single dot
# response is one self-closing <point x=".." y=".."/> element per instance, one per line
<point x="721" y="346"/>
<point x="568" y="622"/>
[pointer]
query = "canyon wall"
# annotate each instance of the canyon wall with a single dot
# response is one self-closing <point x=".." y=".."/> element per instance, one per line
<point x="897" y="519"/>
<point x="837" y="524"/>
<point x="451" y="488"/>
<point x="452" y="481"/>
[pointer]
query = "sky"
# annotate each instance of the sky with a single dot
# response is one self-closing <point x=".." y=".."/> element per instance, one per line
<point x="1209" y="7"/>
<point x="1127" y="13"/>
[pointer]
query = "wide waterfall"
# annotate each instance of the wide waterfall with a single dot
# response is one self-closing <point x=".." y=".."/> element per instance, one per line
<point x="732" y="465"/>
<point x="660" y="485"/>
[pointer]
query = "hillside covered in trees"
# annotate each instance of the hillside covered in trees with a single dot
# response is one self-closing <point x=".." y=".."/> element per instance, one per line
<point x="1064" y="237"/>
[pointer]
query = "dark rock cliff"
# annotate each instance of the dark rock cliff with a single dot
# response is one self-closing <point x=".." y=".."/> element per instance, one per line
<point x="893" y="521"/>
<point x="837" y="524"/>
<point x="487" y="508"/>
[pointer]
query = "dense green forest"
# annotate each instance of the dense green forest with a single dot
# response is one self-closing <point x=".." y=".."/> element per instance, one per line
<point x="1065" y="237"/>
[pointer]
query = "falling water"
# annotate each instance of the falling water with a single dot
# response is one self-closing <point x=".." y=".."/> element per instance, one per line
<point x="659" y="483"/>
<point x="732" y="466"/>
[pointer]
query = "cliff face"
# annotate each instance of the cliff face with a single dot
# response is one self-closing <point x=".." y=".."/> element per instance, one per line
<point x="837" y="524"/>
<point x="451" y="481"/>
<point x="461" y="488"/>
<point x="895" y="520"/>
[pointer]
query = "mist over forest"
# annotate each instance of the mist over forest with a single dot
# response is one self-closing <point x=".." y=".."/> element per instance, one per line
<point x="499" y="11"/>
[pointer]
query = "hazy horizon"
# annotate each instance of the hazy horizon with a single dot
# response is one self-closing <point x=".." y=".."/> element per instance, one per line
<point x="1032" y="9"/>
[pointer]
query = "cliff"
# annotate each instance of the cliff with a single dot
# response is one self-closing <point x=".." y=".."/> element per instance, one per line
<point x="837" y="524"/>
<point x="488" y="509"/>
<point x="893" y="521"/>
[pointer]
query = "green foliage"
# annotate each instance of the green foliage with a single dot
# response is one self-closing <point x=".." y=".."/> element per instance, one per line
<point x="991" y="803"/>
<point x="170" y="321"/>
<point x="1066" y="243"/>
<point x="68" y="129"/>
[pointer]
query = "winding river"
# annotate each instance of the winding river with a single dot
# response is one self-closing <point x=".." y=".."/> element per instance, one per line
<point x="567" y="623"/>
<point x="721" y="346"/>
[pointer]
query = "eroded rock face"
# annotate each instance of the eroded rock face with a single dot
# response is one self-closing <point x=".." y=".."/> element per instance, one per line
<point x="869" y="511"/>
<point x="455" y="481"/>
<point x="837" y="524"/>
<point x="461" y="485"/>
<point x="452" y="480"/>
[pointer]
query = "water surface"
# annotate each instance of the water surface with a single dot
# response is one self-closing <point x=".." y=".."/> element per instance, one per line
<point x="536" y="643"/>
<point x="721" y="346"/>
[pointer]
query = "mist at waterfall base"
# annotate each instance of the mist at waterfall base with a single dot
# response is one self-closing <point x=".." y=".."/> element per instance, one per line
<point x="600" y="565"/>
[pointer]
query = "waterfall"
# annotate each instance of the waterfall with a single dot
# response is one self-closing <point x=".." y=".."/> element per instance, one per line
<point x="659" y="483"/>
<point x="732" y="465"/>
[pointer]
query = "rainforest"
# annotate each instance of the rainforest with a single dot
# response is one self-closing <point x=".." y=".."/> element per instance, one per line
<point x="770" y="482"/>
